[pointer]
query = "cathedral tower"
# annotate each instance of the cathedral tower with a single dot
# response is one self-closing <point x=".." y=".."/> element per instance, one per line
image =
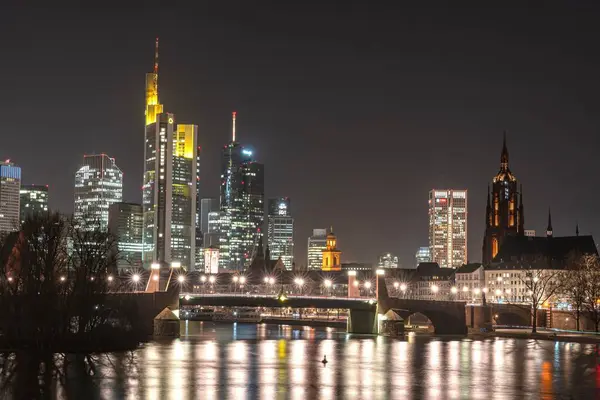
<point x="505" y="214"/>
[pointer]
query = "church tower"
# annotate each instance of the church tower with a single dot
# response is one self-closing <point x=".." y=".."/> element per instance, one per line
<point x="331" y="255"/>
<point x="505" y="214"/>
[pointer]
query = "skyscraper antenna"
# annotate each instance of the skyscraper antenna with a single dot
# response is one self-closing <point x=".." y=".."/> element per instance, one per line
<point x="233" y="114"/>
<point x="156" y="57"/>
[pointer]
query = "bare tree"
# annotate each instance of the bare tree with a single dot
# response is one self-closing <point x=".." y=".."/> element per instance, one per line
<point x="540" y="286"/>
<point x="590" y="266"/>
<point x="574" y="286"/>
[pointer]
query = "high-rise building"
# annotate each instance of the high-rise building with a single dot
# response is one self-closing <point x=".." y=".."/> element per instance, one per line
<point x="207" y="206"/>
<point x="316" y="244"/>
<point x="505" y="214"/>
<point x="242" y="205"/>
<point x="448" y="227"/>
<point x="387" y="260"/>
<point x="98" y="184"/>
<point x="423" y="255"/>
<point x="280" y="231"/>
<point x="33" y="200"/>
<point x="10" y="184"/>
<point x="170" y="183"/>
<point x="126" y="223"/>
<point x="331" y="255"/>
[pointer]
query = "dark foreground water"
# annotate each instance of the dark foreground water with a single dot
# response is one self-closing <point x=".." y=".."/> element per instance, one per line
<point x="220" y="361"/>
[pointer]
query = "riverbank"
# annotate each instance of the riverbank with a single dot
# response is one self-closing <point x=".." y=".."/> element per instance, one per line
<point x="550" y="335"/>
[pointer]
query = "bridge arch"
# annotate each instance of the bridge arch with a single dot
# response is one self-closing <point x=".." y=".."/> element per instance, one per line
<point x="443" y="322"/>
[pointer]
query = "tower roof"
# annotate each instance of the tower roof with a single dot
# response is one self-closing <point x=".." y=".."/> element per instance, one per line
<point x="504" y="174"/>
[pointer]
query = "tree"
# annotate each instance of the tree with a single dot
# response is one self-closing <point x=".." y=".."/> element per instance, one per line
<point x="590" y="266"/>
<point x="541" y="283"/>
<point x="53" y="292"/>
<point x="574" y="287"/>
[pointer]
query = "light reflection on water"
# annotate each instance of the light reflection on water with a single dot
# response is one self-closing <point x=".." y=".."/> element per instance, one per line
<point x="220" y="361"/>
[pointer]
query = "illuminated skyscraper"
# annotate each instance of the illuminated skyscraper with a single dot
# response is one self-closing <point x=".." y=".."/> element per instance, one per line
<point x="34" y="200"/>
<point x="448" y="227"/>
<point x="10" y="184"/>
<point x="170" y="183"/>
<point x="280" y="231"/>
<point x="423" y="255"/>
<point x="316" y="244"/>
<point x="242" y="205"/>
<point x="98" y="184"/>
<point x="125" y="222"/>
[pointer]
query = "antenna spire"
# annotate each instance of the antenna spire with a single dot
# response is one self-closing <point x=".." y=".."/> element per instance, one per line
<point x="156" y="57"/>
<point x="233" y="114"/>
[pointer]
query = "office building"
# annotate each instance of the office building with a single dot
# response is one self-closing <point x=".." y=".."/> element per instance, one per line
<point x="423" y="255"/>
<point x="33" y="200"/>
<point x="125" y="222"/>
<point x="242" y="205"/>
<point x="387" y="260"/>
<point x="211" y="260"/>
<point x="10" y="185"/>
<point x="316" y="244"/>
<point x="448" y="227"/>
<point x="98" y="184"/>
<point x="170" y="184"/>
<point x="504" y="212"/>
<point x="207" y="206"/>
<point x="280" y="231"/>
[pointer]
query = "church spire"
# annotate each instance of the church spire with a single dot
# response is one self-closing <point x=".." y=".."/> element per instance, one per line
<point x="504" y="155"/>
<point x="549" y="228"/>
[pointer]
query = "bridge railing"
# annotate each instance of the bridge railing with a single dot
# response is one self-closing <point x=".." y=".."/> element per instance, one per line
<point x="267" y="296"/>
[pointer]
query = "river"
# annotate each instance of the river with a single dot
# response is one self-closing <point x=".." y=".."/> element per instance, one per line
<point x="245" y="361"/>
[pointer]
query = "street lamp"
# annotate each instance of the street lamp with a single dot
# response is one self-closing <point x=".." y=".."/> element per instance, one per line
<point x="266" y="279"/>
<point x="403" y="287"/>
<point x="62" y="278"/>
<point x="212" y="279"/>
<point x="356" y="283"/>
<point x="454" y="290"/>
<point x="434" y="289"/>
<point x="271" y="281"/>
<point x="396" y="285"/>
<point x="110" y="278"/>
<point x="327" y="283"/>
<point x="242" y="280"/>
<point x="236" y="279"/>
<point x="465" y="289"/>
<point x="368" y="286"/>
<point x="476" y="291"/>
<point x="203" y="278"/>
<point x="181" y="278"/>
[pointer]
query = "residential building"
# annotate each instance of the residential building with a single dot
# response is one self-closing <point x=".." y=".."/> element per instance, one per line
<point x="33" y="200"/>
<point x="505" y="215"/>
<point x="316" y="244"/>
<point x="529" y="232"/>
<point x="431" y="282"/>
<point x="280" y="231"/>
<point x="126" y="223"/>
<point x="98" y="184"/>
<point x="448" y="227"/>
<point x="469" y="281"/>
<point x="10" y="185"/>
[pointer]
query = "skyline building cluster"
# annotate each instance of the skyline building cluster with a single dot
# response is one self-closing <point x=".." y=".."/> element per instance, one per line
<point x="173" y="223"/>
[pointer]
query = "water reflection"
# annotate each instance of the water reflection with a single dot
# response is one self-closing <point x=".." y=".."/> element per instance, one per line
<point x="282" y="362"/>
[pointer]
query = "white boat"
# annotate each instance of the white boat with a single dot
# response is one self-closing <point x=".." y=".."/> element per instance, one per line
<point x="238" y="315"/>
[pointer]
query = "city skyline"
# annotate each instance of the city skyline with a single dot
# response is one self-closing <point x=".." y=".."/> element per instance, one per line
<point x="296" y="135"/>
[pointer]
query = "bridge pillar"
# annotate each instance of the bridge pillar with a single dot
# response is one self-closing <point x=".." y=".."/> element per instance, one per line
<point x="353" y="289"/>
<point x="479" y="317"/>
<point x="361" y="321"/>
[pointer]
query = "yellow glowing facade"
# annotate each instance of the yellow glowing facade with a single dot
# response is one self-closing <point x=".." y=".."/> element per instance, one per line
<point x="331" y="255"/>
<point x="153" y="107"/>
<point x="184" y="141"/>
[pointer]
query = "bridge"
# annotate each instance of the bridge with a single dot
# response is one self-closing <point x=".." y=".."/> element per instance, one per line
<point x="364" y="313"/>
<point x="361" y="310"/>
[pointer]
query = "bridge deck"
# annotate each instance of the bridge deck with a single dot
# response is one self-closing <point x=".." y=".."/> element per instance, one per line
<point x="245" y="300"/>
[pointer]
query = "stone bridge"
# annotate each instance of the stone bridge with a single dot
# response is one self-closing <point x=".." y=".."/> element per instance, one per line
<point x="447" y="317"/>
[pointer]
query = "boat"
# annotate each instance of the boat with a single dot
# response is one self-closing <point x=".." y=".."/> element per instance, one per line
<point x="249" y="315"/>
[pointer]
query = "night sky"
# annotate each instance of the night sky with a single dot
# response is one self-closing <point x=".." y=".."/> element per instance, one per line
<point x="357" y="111"/>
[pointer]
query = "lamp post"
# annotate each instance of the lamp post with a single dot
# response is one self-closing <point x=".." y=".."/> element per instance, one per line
<point x="327" y="283"/>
